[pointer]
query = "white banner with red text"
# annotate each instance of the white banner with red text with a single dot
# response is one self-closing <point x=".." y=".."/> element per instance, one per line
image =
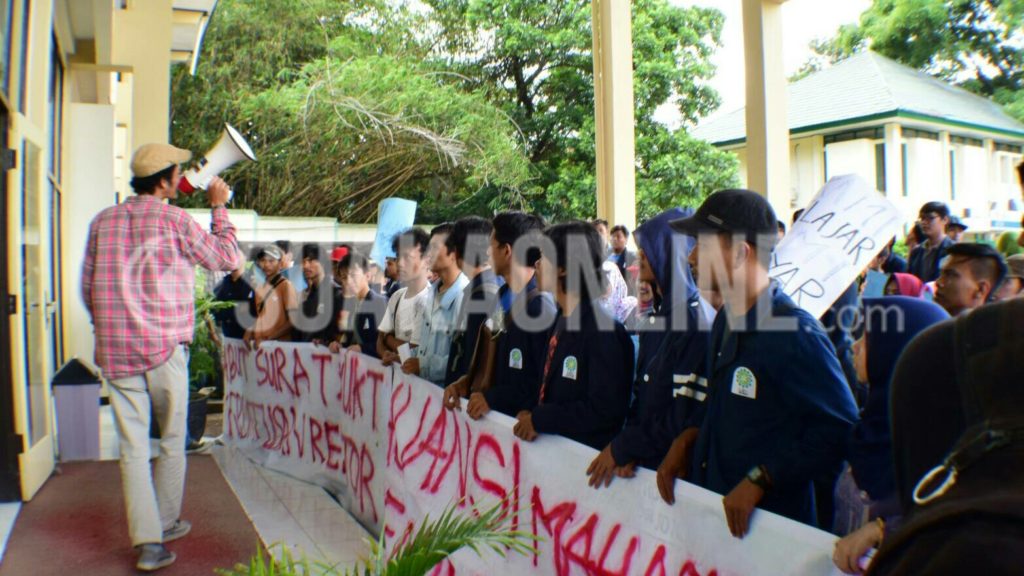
<point x="384" y="444"/>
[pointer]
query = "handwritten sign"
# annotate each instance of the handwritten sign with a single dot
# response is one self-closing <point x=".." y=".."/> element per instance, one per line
<point x="437" y="456"/>
<point x="846" y="225"/>
<point x="314" y="415"/>
<point x="393" y="216"/>
<point x="383" y="441"/>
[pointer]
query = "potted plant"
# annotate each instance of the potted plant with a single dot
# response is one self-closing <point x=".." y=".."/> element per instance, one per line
<point x="435" y="540"/>
<point x="204" y="369"/>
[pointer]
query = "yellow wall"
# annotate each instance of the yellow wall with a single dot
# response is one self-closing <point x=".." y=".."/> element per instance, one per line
<point x="142" y="39"/>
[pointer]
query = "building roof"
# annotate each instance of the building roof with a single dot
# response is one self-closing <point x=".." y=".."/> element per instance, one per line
<point x="869" y="86"/>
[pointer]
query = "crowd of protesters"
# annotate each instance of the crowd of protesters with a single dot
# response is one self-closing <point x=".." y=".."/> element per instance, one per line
<point x="655" y="365"/>
<point x="684" y="357"/>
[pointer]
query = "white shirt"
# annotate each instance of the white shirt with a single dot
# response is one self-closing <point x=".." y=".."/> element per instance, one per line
<point x="404" y="316"/>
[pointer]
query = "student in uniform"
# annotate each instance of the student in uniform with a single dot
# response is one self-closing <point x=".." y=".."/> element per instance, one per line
<point x="510" y="381"/>
<point x="778" y="410"/>
<point x="584" y="390"/>
<point x="670" y="382"/>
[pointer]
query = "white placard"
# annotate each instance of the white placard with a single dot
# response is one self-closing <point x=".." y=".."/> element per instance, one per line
<point x="846" y="225"/>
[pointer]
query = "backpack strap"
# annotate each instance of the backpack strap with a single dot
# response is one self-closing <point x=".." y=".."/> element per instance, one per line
<point x="987" y="348"/>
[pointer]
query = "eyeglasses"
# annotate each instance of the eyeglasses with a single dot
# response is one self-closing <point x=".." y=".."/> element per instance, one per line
<point x="927" y="217"/>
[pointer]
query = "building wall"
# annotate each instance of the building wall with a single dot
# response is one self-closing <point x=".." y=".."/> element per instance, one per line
<point x="981" y="187"/>
<point x="807" y="174"/>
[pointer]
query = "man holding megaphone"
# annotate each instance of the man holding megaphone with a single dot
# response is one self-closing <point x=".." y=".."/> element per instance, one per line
<point x="138" y="277"/>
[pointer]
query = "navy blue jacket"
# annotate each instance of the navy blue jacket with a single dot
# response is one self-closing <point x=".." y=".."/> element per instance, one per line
<point x="778" y="399"/>
<point x="894" y="264"/>
<point x="520" y="352"/>
<point x="586" y="395"/>
<point x="237" y="291"/>
<point x="886" y="336"/>
<point x="316" y="312"/>
<point x="363" y="329"/>
<point x="670" y="381"/>
<point x="479" y="301"/>
<point x="838" y="321"/>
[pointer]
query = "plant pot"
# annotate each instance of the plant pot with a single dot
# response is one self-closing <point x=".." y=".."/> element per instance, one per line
<point x="196" y="419"/>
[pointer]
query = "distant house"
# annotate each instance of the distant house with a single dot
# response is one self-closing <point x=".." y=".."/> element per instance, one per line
<point x="915" y="137"/>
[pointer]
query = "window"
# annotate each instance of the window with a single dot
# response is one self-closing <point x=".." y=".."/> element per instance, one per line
<point x="6" y="14"/>
<point x="55" y="129"/>
<point x="914" y="133"/>
<point x="966" y="140"/>
<point x="55" y="111"/>
<point x="952" y="174"/>
<point x="906" y="178"/>
<point x="23" y="68"/>
<point x="880" y="167"/>
<point x="866" y="134"/>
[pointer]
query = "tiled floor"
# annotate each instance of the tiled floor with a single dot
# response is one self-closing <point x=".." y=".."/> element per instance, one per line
<point x="284" y="510"/>
<point x="8" y="514"/>
<point x="288" y="511"/>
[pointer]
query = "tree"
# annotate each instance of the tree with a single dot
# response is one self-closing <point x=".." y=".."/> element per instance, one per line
<point x="534" y="58"/>
<point x="977" y="44"/>
<point x="469" y="106"/>
<point x="343" y="111"/>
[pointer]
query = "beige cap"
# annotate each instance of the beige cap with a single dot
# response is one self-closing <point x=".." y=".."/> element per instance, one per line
<point x="152" y="158"/>
<point x="1015" y="264"/>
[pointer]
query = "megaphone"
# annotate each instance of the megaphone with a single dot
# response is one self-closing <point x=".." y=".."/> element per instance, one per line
<point x="230" y="149"/>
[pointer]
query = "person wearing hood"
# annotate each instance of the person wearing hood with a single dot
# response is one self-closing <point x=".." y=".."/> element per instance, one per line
<point x="900" y="284"/>
<point x="672" y="355"/>
<point x="890" y="324"/>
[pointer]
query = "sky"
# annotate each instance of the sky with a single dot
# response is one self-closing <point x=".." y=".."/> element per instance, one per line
<point x="803" y="21"/>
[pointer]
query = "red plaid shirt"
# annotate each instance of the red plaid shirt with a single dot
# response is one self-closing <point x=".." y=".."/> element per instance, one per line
<point x="138" y="279"/>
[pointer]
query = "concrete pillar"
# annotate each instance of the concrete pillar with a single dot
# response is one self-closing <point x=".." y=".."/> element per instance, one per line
<point x="894" y="162"/>
<point x="945" y="184"/>
<point x="991" y="181"/>
<point x="767" y="127"/>
<point x="142" y="39"/>
<point x="613" y="99"/>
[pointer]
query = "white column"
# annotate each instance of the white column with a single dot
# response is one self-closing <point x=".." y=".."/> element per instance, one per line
<point x="767" y="128"/>
<point x="613" y="98"/>
<point x="894" y="162"/>
<point x="944" y="181"/>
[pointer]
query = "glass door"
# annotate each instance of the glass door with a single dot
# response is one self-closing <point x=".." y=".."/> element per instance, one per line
<point x="37" y="426"/>
<point x="10" y="481"/>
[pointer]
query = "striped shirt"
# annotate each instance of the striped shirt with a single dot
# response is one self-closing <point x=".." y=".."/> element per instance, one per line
<point x="138" y="279"/>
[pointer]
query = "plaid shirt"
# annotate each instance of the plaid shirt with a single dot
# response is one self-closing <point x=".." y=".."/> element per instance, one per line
<point x="138" y="279"/>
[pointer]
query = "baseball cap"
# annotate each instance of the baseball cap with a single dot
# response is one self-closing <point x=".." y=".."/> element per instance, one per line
<point x="736" y="211"/>
<point x="956" y="222"/>
<point x="271" y="251"/>
<point x="152" y="158"/>
<point x="339" y="253"/>
<point x="1015" y="266"/>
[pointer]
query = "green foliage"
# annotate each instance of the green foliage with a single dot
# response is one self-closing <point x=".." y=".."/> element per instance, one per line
<point x="900" y="248"/>
<point x="978" y="44"/>
<point x="535" y="59"/>
<point x="467" y="106"/>
<point x="204" y="352"/>
<point x="342" y="111"/>
<point x="434" y="541"/>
